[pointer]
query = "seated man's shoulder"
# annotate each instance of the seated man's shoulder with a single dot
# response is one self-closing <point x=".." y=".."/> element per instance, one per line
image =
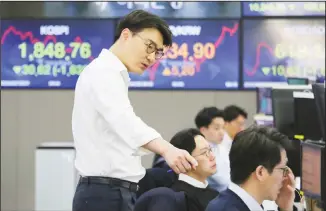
<point x="225" y="202"/>
<point x="222" y="207"/>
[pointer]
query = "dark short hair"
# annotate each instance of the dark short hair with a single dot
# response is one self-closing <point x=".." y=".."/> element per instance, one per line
<point x="206" y="115"/>
<point x="255" y="146"/>
<point x="185" y="139"/>
<point x="138" y="20"/>
<point x="232" y="112"/>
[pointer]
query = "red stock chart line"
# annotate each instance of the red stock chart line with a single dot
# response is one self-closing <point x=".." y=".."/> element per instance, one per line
<point x="259" y="48"/>
<point x="30" y="36"/>
<point x="225" y="30"/>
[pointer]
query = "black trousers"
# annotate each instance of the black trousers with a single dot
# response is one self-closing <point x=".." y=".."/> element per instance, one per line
<point x="101" y="197"/>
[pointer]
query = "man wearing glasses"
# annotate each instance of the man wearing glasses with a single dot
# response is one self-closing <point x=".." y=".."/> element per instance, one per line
<point x="194" y="183"/>
<point x="210" y="122"/>
<point x="108" y="135"/>
<point x="259" y="172"/>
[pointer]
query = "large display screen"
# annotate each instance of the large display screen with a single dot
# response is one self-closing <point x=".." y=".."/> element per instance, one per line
<point x="50" y="53"/>
<point x="165" y="9"/>
<point x="204" y="55"/>
<point x="275" y="49"/>
<point x="260" y="8"/>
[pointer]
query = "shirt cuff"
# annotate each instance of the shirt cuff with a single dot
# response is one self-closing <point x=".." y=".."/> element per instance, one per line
<point x="141" y="152"/>
<point x="151" y="134"/>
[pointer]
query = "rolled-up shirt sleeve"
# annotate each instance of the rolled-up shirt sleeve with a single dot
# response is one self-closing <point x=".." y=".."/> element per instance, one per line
<point x="109" y="95"/>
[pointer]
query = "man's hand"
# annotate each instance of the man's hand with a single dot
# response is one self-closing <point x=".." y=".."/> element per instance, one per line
<point x="179" y="160"/>
<point x="285" y="199"/>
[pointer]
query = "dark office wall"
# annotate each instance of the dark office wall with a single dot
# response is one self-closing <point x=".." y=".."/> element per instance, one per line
<point x="30" y="117"/>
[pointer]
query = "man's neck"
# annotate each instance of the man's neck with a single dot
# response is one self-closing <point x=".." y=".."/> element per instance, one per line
<point x="228" y="133"/>
<point x="116" y="50"/>
<point x="253" y="190"/>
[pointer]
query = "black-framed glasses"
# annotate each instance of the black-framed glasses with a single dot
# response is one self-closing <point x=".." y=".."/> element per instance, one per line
<point x="151" y="48"/>
<point x="285" y="170"/>
<point x="207" y="152"/>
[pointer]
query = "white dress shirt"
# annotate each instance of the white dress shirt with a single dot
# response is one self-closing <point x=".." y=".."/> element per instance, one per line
<point x="192" y="181"/>
<point x="227" y="141"/>
<point x="107" y="133"/>
<point x="251" y="203"/>
<point x="221" y="179"/>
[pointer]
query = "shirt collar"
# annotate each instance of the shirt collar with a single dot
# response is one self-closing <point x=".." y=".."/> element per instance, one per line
<point x="251" y="203"/>
<point x="118" y="65"/>
<point x="227" y="140"/>
<point x="192" y="181"/>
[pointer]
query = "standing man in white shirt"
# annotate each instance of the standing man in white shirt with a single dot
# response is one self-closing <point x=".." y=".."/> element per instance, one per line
<point x="107" y="133"/>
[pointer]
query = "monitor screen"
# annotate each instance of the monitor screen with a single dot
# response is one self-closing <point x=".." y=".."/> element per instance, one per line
<point x="265" y="101"/>
<point x="311" y="170"/>
<point x="204" y="55"/>
<point x="275" y="49"/>
<point x="319" y="93"/>
<point x="283" y="108"/>
<point x="50" y="53"/>
<point x="298" y="81"/>
<point x="282" y="102"/>
<point x="260" y="8"/>
<point x="306" y="117"/>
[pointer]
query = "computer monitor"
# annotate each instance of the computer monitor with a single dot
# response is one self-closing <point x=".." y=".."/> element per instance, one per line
<point x="297" y="81"/>
<point x="313" y="171"/>
<point x="283" y="108"/>
<point x="283" y="117"/>
<point x="306" y="118"/>
<point x="319" y="96"/>
<point x="264" y="100"/>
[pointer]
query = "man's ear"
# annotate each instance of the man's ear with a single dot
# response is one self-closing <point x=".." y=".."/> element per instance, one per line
<point x="125" y="34"/>
<point x="202" y="129"/>
<point x="261" y="173"/>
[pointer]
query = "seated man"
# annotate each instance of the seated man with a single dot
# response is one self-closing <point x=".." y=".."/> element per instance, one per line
<point x="210" y="122"/>
<point x="235" y="119"/>
<point x="193" y="183"/>
<point x="259" y="172"/>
